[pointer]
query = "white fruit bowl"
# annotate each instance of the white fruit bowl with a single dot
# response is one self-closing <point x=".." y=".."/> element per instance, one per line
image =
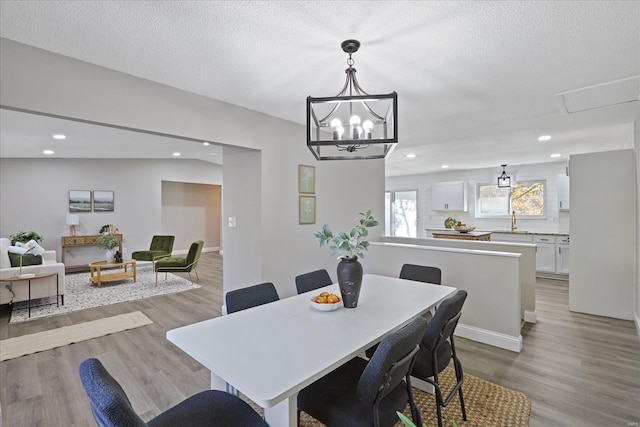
<point x="326" y="306"/>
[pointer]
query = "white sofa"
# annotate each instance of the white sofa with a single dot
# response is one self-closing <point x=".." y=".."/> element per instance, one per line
<point x="18" y="290"/>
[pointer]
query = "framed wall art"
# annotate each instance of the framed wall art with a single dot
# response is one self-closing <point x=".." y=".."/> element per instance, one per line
<point x="79" y="201"/>
<point x="306" y="179"/>
<point x="307" y="210"/>
<point x="103" y="201"/>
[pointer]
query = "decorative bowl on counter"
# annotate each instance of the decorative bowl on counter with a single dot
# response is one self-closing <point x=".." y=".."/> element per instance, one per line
<point x="463" y="228"/>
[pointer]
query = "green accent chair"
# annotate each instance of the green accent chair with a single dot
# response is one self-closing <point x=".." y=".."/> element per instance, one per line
<point x="181" y="265"/>
<point x="161" y="246"/>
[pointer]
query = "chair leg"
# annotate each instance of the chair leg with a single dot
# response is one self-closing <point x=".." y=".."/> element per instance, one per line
<point x="196" y="271"/>
<point x="156" y="279"/>
<point x="415" y="411"/>
<point x="190" y="277"/>
<point x="459" y="377"/>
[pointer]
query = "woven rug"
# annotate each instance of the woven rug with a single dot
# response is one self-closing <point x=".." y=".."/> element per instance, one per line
<point x="46" y="340"/>
<point x="487" y="405"/>
<point x="81" y="294"/>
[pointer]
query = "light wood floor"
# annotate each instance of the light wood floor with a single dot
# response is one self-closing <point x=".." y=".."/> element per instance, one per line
<point x="578" y="370"/>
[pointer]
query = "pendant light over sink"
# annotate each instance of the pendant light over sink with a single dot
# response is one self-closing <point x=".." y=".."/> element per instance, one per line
<point x="352" y="124"/>
<point x="504" y="180"/>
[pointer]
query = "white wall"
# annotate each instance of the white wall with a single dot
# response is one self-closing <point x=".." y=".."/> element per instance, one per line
<point x="603" y="203"/>
<point x="555" y="221"/>
<point x="492" y="311"/>
<point x="636" y="139"/>
<point x="34" y="195"/>
<point x="259" y="188"/>
<point x="191" y="212"/>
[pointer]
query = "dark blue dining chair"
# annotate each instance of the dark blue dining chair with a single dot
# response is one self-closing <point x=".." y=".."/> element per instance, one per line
<point x="437" y="350"/>
<point x="312" y="280"/>
<point x="361" y="393"/>
<point x="212" y="408"/>
<point x="251" y="296"/>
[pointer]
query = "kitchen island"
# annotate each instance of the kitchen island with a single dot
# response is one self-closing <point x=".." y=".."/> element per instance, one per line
<point x="470" y="235"/>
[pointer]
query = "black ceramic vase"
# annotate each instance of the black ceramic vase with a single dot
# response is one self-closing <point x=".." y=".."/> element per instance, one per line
<point x="350" y="281"/>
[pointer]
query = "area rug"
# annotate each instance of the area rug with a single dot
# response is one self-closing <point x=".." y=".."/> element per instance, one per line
<point x="487" y="404"/>
<point x="40" y="341"/>
<point x="81" y="294"/>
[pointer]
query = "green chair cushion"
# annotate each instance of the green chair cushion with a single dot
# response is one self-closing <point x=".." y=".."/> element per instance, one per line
<point x="171" y="262"/>
<point x="27" y="259"/>
<point x="148" y="255"/>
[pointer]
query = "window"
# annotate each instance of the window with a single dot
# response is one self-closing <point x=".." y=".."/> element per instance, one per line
<point x="401" y="213"/>
<point x="525" y="198"/>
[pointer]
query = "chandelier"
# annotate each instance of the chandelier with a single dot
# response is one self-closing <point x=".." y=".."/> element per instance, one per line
<point x="352" y="124"/>
<point x="504" y="180"/>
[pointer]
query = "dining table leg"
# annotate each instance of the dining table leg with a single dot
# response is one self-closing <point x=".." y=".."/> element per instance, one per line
<point x="284" y="414"/>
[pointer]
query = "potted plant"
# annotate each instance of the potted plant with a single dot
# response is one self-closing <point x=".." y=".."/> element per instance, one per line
<point x="25" y="236"/>
<point x="109" y="242"/>
<point x="407" y="422"/>
<point x="349" y="246"/>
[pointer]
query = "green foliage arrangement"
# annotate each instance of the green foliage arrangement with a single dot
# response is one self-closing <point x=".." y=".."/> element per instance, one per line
<point x="108" y="241"/>
<point x="352" y="244"/>
<point x="25" y="236"/>
<point x="407" y="422"/>
<point x="452" y="222"/>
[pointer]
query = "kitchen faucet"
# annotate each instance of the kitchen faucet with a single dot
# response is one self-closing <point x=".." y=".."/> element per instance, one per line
<point x="513" y="220"/>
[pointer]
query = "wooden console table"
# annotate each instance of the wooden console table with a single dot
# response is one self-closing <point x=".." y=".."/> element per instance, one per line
<point x="80" y="241"/>
<point x="472" y="235"/>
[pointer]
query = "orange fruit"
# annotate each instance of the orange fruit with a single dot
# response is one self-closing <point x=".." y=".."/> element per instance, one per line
<point x="333" y="298"/>
<point x="325" y="294"/>
<point x="321" y="299"/>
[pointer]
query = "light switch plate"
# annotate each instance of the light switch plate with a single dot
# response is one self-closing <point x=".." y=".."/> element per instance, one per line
<point x="232" y="222"/>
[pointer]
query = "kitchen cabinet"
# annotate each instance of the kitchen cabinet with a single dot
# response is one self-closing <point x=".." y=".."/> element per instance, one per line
<point x="449" y="196"/>
<point x="552" y="252"/>
<point x="562" y="255"/>
<point x="545" y="253"/>
<point x="563" y="192"/>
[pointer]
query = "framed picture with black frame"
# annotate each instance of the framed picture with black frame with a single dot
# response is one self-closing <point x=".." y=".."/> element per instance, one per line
<point x="103" y="201"/>
<point x="80" y="201"/>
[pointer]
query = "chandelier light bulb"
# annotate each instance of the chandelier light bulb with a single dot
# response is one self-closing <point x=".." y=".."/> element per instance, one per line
<point x="367" y="126"/>
<point x="336" y="123"/>
<point x="354" y="120"/>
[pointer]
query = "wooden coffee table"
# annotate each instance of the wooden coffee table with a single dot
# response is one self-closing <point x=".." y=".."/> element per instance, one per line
<point x="100" y="271"/>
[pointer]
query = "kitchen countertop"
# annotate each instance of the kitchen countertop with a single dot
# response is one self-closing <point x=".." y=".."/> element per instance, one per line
<point x="548" y="233"/>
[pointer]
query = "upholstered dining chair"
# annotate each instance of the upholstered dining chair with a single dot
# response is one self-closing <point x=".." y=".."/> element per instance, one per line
<point x="368" y="393"/>
<point x="161" y="246"/>
<point x="212" y="408"/>
<point x="312" y="280"/>
<point x="437" y="349"/>
<point x="181" y="265"/>
<point x="251" y="296"/>
<point x="421" y="273"/>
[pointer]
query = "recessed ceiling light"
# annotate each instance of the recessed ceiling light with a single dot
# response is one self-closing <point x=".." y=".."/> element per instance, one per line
<point x="205" y="143"/>
<point x="445" y="166"/>
<point x="47" y="152"/>
<point x="411" y="156"/>
<point x="176" y="154"/>
<point x="544" y="138"/>
<point x="555" y="155"/>
<point x="59" y="136"/>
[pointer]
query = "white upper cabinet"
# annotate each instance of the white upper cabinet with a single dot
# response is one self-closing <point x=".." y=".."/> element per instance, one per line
<point x="563" y="192"/>
<point x="449" y="196"/>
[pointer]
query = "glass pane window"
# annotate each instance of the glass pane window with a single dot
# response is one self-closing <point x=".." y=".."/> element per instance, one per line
<point x="523" y="198"/>
<point x="401" y="218"/>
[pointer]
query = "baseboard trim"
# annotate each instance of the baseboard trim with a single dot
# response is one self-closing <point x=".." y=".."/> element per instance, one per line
<point x="486" y="336"/>
<point x="530" y="316"/>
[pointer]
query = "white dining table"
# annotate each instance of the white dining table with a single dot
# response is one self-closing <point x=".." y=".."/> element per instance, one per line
<point x="270" y="352"/>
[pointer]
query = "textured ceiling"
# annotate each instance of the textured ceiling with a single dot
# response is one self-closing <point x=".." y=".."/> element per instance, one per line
<point x="476" y="81"/>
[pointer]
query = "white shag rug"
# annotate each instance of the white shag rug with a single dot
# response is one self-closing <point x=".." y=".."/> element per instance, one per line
<point x="81" y="294"/>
